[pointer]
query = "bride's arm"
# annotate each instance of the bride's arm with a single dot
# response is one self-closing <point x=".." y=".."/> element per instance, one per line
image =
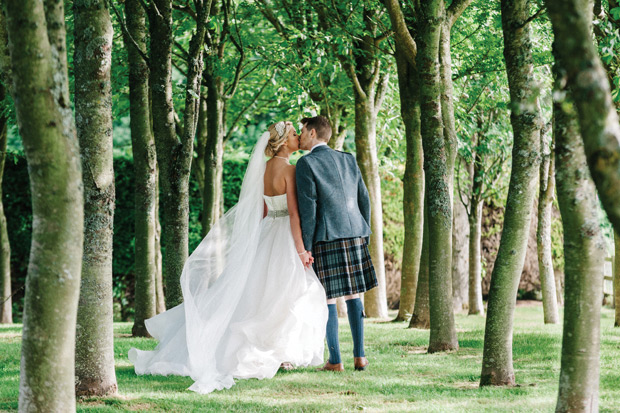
<point x="291" y="199"/>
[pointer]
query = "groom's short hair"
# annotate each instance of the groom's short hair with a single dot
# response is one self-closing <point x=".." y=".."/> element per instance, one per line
<point x="321" y="125"/>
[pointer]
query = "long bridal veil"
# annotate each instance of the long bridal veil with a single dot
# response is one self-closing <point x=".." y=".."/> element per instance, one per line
<point x="222" y="263"/>
<point x="212" y="281"/>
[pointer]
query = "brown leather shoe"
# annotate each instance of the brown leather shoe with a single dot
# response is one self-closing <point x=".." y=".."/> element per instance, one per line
<point x="332" y="367"/>
<point x="286" y="366"/>
<point x="360" y="363"/>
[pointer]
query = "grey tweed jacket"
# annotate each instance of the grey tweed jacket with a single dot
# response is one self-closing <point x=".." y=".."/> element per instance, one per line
<point x="333" y="199"/>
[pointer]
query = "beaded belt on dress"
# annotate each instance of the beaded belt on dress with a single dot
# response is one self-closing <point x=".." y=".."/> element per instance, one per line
<point x="278" y="214"/>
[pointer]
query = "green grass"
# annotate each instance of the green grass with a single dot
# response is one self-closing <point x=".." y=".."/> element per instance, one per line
<point x="401" y="376"/>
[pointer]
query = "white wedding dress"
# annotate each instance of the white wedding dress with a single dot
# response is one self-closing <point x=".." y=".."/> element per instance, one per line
<point x="249" y="303"/>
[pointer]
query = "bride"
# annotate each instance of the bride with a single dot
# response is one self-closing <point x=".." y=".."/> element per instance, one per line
<point x="251" y="299"/>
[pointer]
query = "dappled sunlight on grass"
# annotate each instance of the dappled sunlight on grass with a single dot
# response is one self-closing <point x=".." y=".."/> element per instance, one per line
<point x="401" y="376"/>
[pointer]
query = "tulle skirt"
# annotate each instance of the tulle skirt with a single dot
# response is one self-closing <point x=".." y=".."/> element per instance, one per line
<point x="280" y="316"/>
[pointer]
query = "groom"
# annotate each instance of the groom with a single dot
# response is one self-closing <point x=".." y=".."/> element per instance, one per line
<point x="335" y="225"/>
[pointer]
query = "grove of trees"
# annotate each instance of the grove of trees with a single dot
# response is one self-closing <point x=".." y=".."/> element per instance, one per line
<point x="453" y="108"/>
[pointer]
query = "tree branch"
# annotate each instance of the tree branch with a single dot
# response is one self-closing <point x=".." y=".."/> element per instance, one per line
<point x="454" y="11"/>
<point x="534" y="17"/>
<point x="121" y="20"/>
<point x="242" y="112"/>
<point x="401" y="32"/>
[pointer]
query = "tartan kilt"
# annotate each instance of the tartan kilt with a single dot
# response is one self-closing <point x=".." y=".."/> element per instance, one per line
<point x="344" y="266"/>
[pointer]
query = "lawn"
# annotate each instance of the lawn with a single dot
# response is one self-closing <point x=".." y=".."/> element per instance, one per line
<point x="401" y="376"/>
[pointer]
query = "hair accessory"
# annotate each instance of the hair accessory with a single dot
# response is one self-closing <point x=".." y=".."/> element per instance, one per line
<point x="280" y="128"/>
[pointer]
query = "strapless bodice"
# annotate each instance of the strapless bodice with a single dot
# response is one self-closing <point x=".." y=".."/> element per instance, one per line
<point x="276" y="205"/>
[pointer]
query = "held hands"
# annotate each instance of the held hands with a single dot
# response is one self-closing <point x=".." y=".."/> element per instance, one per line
<point x="306" y="258"/>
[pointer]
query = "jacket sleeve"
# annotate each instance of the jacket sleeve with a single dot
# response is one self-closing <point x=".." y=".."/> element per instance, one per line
<point x="363" y="200"/>
<point x="306" y="199"/>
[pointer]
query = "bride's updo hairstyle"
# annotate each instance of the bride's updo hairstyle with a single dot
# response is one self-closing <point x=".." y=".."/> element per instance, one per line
<point x="278" y="132"/>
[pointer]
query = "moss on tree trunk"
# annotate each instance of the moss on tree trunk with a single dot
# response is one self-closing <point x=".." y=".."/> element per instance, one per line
<point x="584" y="250"/>
<point x="413" y="182"/>
<point x="94" y="352"/>
<point x="145" y="170"/>
<point x="438" y="179"/>
<point x="497" y="368"/>
<point x="421" y="317"/>
<point x="37" y="40"/>
<point x="174" y="157"/>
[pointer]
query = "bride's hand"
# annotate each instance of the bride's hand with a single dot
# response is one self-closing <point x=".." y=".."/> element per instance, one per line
<point x="306" y="258"/>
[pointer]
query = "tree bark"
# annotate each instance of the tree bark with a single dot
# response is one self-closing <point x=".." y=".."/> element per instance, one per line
<point x="437" y="158"/>
<point x="145" y="169"/>
<point x="94" y="353"/>
<point x="421" y="317"/>
<point x="160" y="302"/>
<point x="497" y="366"/>
<point x="476" y="305"/>
<point x="37" y="41"/>
<point x="413" y="183"/>
<point x="587" y="80"/>
<point x="584" y="262"/>
<point x="460" y="256"/>
<point x="543" y="235"/>
<point x="6" y="304"/>
<point x="214" y="146"/>
<point x="173" y="157"/>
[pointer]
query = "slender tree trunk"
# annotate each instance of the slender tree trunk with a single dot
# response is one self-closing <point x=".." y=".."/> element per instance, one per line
<point x="497" y="366"/>
<point x="437" y="172"/>
<point x="366" y="148"/>
<point x="476" y="305"/>
<point x="94" y="352"/>
<point x="213" y="153"/>
<point x="460" y="256"/>
<point x="559" y="290"/>
<point x="421" y="317"/>
<point x="145" y="170"/>
<point x="6" y="304"/>
<point x="617" y="279"/>
<point x="413" y="183"/>
<point x="198" y="164"/>
<point x="173" y="157"/>
<point x="173" y="188"/>
<point x="160" y="302"/>
<point x="37" y="41"/>
<point x="584" y="262"/>
<point x="543" y="236"/>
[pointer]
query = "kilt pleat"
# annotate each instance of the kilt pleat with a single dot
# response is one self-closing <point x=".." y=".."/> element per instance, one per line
<point x="344" y="267"/>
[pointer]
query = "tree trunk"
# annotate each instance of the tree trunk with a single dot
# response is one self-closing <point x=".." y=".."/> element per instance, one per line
<point x="476" y="305"/>
<point x="584" y="262"/>
<point x="543" y="236"/>
<point x="437" y="174"/>
<point x="173" y="157"/>
<point x="214" y="146"/>
<point x="587" y="80"/>
<point x="6" y="304"/>
<point x="375" y="301"/>
<point x="497" y="366"/>
<point x="160" y="301"/>
<point x="37" y="40"/>
<point x="460" y="256"/>
<point x="145" y="170"/>
<point x="173" y="187"/>
<point x="617" y="279"/>
<point x="94" y="352"/>
<point x="413" y="183"/>
<point x="421" y="317"/>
